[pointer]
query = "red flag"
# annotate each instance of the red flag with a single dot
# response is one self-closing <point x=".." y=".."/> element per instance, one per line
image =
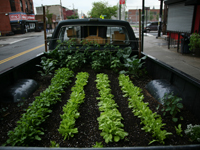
<point x="121" y="2"/>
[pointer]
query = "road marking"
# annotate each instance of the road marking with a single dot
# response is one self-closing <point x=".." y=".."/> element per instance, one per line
<point x="18" y="41"/>
<point x="20" y="54"/>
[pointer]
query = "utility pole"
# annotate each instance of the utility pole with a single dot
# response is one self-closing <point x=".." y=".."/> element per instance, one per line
<point x="142" y="26"/>
<point x="61" y="11"/>
<point x="160" y="18"/>
<point x="44" y="25"/>
<point x="119" y="11"/>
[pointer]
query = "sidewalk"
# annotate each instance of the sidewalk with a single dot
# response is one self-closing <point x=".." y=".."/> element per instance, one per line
<point x="5" y="40"/>
<point x="158" y="48"/>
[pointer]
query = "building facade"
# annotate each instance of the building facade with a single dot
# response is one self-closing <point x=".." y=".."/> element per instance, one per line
<point x="17" y="16"/>
<point x="51" y="9"/>
<point x="152" y="15"/>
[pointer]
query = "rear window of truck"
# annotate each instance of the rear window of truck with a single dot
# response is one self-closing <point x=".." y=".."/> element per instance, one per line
<point x="102" y="35"/>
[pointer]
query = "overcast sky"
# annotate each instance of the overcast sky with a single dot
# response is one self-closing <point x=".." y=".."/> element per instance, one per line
<point x="85" y="6"/>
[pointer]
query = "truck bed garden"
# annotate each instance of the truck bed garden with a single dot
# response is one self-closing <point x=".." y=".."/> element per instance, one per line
<point x="87" y="124"/>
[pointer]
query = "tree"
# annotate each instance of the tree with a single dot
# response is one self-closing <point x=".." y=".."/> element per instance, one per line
<point x="49" y="17"/>
<point x="72" y="17"/>
<point x="102" y="8"/>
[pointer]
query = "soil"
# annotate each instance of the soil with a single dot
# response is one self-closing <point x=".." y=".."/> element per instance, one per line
<point x="87" y="123"/>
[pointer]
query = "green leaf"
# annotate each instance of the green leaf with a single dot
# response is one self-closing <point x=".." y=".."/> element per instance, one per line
<point x="175" y="119"/>
<point x="152" y="142"/>
<point x="37" y="138"/>
<point x="179" y="105"/>
<point x="116" y="138"/>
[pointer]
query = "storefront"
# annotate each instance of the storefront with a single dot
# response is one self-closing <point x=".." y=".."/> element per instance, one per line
<point x="22" y="23"/>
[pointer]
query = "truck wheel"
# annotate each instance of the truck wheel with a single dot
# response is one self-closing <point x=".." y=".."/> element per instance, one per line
<point x="148" y="31"/>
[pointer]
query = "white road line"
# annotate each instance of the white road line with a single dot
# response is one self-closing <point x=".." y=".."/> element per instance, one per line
<point x="18" y="41"/>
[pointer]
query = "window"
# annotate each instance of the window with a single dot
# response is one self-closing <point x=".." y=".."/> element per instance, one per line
<point x="94" y="34"/>
<point x="21" y="5"/>
<point x="12" y="5"/>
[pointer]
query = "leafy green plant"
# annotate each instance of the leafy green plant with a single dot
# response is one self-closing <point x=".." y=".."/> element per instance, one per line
<point x="179" y="130"/>
<point x="54" y="144"/>
<point x="28" y="127"/>
<point x="48" y="66"/>
<point x="194" y="41"/>
<point x="115" y="64"/>
<point x="70" y="110"/>
<point x="98" y="145"/>
<point x="96" y="65"/>
<point x="193" y="132"/>
<point x="171" y="104"/>
<point x="110" y="118"/>
<point x="152" y="121"/>
<point x="134" y="66"/>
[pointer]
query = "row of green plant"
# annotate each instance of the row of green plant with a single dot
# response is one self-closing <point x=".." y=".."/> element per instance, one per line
<point x="73" y="57"/>
<point x="28" y="127"/>
<point x="67" y="126"/>
<point x="152" y="121"/>
<point x="110" y="118"/>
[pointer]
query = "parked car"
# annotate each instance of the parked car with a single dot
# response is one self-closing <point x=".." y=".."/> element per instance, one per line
<point x="101" y="31"/>
<point x="152" y="26"/>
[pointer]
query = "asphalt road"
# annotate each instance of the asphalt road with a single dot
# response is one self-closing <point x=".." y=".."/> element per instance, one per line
<point x="20" y="50"/>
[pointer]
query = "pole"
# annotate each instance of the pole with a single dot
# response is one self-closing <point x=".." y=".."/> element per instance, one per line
<point x="119" y="11"/>
<point x="142" y="41"/>
<point x="139" y="33"/>
<point x="45" y="34"/>
<point x="160" y="18"/>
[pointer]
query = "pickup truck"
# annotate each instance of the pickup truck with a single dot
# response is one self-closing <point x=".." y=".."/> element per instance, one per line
<point x="100" y="32"/>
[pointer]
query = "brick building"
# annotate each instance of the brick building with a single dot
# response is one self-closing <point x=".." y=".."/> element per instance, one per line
<point x="152" y="15"/>
<point x="17" y="16"/>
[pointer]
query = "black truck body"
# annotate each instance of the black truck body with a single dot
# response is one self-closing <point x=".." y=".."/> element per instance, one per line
<point x="187" y="85"/>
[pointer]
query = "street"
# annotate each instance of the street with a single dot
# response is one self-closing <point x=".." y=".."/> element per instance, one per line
<point x="18" y="49"/>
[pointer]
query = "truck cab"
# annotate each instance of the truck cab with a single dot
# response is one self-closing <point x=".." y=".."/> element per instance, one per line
<point x="91" y="31"/>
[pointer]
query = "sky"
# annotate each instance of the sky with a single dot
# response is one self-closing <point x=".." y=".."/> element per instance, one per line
<point x="85" y="6"/>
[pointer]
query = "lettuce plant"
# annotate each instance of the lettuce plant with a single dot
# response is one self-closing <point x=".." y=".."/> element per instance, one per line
<point x="70" y="110"/>
<point x="110" y="118"/>
<point x="193" y="132"/>
<point x="28" y="127"/>
<point x="152" y="121"/>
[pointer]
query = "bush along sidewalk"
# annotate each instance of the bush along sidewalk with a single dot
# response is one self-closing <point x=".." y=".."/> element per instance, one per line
<point x="110" y="118"/>
<point x="70" y="110"/>
<point x="28" y="127"/>
<point x="152" y="121"/>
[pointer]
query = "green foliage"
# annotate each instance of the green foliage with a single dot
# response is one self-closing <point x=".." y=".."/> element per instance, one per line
<point x="54" y="144"/>
<point x="134" y="66"/>
<point x="98" y="145"/>
<point x="28" y="127"/>
<point x="100" y="58"/>
<point x="103" y="8"/>
<point x="179" y="130"/>
<point x="70" y="110"/>
<point x="172" y="105"/>
<point x="49" y="17"/>
<point x="72" y="17"/>
<point x="152" y="121"/>
<point x="116" y="64"/>
<point x="110" y="118"/>
<point x="48" y="66"/>
<point x="193" y="132"/>
<point x="194" y="41"/>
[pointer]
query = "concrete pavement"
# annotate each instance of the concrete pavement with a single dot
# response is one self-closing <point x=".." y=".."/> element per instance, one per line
<point x="5" y="40"/>
<point x="157" y="48"/>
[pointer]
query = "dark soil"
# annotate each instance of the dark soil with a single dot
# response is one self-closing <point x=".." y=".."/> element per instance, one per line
<point x="87" y="123"/>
